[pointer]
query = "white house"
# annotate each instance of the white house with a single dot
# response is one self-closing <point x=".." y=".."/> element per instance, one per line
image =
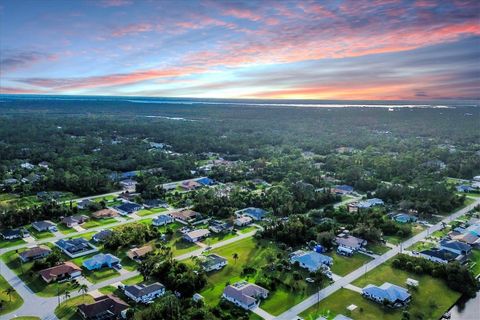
<point x="242" y="221"/>
<point x="245" y="295"/>
<point x="213" y="262"/>
<point x="196" y="235"/>
<point x="144" y="293"/>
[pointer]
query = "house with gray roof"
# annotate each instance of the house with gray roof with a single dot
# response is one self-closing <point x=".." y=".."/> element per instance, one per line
<point x="44" y="225"/>
<point x="394" y="295"/>
<point x="440" y="255"/>
<point x="245" y="295"/>
<point x="350" y="242"/>
<point x="311" y="260"/>
<point x="144" y="293"/>
<point x="456" y="247"/>
<point x="213" y="262"/>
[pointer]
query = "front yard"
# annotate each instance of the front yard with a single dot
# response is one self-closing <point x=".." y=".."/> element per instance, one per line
<point x="344" y="265"/>
<point x="67" y="310"/>
<point x="11" y="299"/>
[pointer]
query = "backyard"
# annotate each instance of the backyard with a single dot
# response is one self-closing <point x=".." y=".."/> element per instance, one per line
<point x="344" y="265"/>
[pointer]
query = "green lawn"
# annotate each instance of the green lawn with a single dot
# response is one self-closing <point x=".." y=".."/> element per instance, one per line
<point x="432" y="298"/>
<point x="133" y="280"/>
<point x="26" y="318"/>
<point x="93" y="223"/>
<point x="344" y="265"/>
<point x="377" y="248"/>
<point x="11" y="301"/>
<point x="246" y="229"/>
<point x="95" y="275"/>
<point x="11" y="243"/>
<point x="421" y="245"/>
<point x="63" y="229"/>
<point x="146" y="212"/>
<point x="32" y="279"/>
<point x="475" y="265"/>
<point x="67" y="310"/>
<point x="214" y="238"/>
<point x="87" y="236"/>
<point x="256" y="254"/>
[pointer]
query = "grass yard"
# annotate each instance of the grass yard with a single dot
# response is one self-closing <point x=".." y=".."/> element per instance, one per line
<point x="67" y="310"/>
<point x="176" y="243"/>
<point x="64" y="229"/>
<point x="133" y="280"/>
<point x="214" y="238"/>
<point x="475" y="265"/>
<point x="344" y="265"/>
<point x="93" y="223"/>
<point x="95" y="276"/>
<point x="87" y="236"/>
<point x="421" y="245"/>
<point x="431" y="299"/>
<point x="147" y="212"/>
<point x="377" y="248"/>
<point x="255" y="254"/>
<point x="246" y="229"/>
<point x="32" y="279"/>
<point x="26" y="318"/>
<point x="11" y="243"/>
<point x="11" y="301"/>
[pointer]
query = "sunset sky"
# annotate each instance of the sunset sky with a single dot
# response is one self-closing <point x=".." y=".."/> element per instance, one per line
<point x="390" y="49"/>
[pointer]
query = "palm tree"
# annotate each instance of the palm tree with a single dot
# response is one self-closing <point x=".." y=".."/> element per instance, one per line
<point x="66" y="294"/>
<point x="235" y="257"/>
<point x="83" y="289"/>
<point x="9" y="291"/>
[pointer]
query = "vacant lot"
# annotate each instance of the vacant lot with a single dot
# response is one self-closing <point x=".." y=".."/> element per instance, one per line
<point x="344" y="265"/>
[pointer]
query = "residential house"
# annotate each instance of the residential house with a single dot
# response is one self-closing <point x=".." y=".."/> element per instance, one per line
<point x="44" y="225"/>
<point x="196" y="235"/>
<point x="468" y="238"/>
<point x="27" y="165"/>
<point x="162" y="220"/>
<point x="213" y="262"/>
<point x="350" y="242"/>
<point x="342" y="189"/>
<point x="34" y="253"/>
<point x="128" y="208"/>
<point x="190" y="185"/>
<point x="84" y="204"/>
<point x="155" y="203"/>
<point x="73" y="221"/>
<point x="217" y="226"/>
<point x="245" y="295"/>
<point x="464" y="188"/>
<point x="11" y="234"/>
<point x="76" y="247"/>
<point x="186" y="215"/>
<point x="100" y="261"/>
<point x="311" y="260"/>
<point x="456" y="247"/>
<point x="102" y="235"/>
<point x="344" y="251"/>
<point x="44" y="164"/>
<point x="254" y="213"/>
<point x="242" y="221"/>
<point x="206" y="181"/>
<point x="129" y="185"/>
<point x="139" y="253"/>
<point x="394" y="295"/>
<point x="474" y="229"/>
<point x="369" y="203"/>
<point x="144" y="293"/>
<point x="66" y="270"/>
<point x="107" y="307"/>
<point x="440" y="255"/>
<point x="105" y="214"/>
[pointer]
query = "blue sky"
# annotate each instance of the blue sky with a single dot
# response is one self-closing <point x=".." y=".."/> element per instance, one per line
<point x="389" y="49"/>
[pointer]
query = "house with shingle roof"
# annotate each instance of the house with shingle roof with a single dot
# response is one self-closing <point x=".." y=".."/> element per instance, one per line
<point x="75" y="220"/>
<point x="254" y="213"/>
<point x="128" y="208"/>
<point x="44" y="225"/>
<point x="456" y="247"/>
<point x="104" y="214"/>
<point x="144" y="293"/>
<point x="103" y="308"/>
<point x="186" y="215"/>
<point x="138" y="253"/>
<point x="394" y="295"/>
<point x="213" y="262"/>
<point x="245" y="295"/>
<point x="102" y="235"/>
<point x="34" y="253"/>
<point x="440" y="255"/>
<point x="162" y="220"/>
<point x="66" y="270"/>
<point x="196" y="235"/>
<point x="350" y="242"/>
<point x="75" y="247"/>
<point x="100" y="261"/>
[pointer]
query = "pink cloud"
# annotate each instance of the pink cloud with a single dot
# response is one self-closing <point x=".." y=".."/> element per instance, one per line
<point x="132" y="29"/>
<point x="242" y="14"/>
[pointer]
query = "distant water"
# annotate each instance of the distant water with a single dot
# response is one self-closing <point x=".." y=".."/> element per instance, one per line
<point x="256" y="102"/>
<point x="466" y="310"/>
